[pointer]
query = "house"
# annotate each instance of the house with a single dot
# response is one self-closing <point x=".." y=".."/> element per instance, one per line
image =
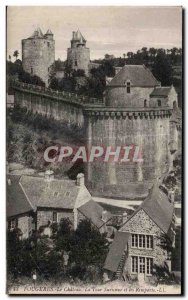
<point x="136" y="248"/>
<point x="34" y="203"/>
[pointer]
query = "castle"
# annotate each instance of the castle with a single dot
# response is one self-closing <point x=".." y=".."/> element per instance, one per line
<point x="38" y="54"/>
<point x="135" y="111"/>
<point x="78" y="56"/>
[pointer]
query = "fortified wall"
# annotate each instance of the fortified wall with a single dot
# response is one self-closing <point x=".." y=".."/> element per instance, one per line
<point x="143" y="120"/>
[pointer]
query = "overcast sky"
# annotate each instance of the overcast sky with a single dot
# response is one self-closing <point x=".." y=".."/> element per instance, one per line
<point x="112" y="30"/>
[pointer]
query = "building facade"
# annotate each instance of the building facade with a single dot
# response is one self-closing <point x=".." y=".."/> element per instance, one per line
<point x="38" y="54"/>
<point x="137" y="250"/>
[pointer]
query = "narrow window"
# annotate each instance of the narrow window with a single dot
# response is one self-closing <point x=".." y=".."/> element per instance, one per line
<point x="142" y="265"/>
<point x="141" y="241"/>
<point x="128" y="87"/>
<point x="31" y="71"/>
<point x="159" y="103"/>
<point x="55" y="216"/>
<point x="134" y="240"/>
<point x="149" y="242"/>
<point x="48" y="44"/>
<point x="149" y="265"/>
<point x="145" y="103"/>
<point x="134" y="266"/>
<point x="76" y="64"/>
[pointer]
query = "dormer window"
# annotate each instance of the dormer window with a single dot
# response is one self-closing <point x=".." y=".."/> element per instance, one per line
<point x="159" y="103"/>
<point x="128" y="87"/>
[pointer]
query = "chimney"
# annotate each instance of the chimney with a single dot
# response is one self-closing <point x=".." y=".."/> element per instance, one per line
<point x="124" y="217"/>
<point x="49" y="175"/>
<point x="80" y="179"/>
<point x="104" y="216"/>
<point x="171" y="196"/>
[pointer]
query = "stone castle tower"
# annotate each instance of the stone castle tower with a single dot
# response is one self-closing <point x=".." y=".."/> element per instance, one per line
<point x="137" y="112"/>
<point x="78" y="56"/>
<point x="38" y="54"/>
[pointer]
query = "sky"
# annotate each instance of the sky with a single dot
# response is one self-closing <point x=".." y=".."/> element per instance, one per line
<point x="107" y="29"/>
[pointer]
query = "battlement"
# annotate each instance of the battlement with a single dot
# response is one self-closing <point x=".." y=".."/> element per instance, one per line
<point x="73" y="98"/>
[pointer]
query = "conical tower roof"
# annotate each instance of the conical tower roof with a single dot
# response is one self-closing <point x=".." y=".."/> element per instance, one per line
<point x="79" y="37"/>
<point x="37" y="33"/>
<point x="49" y="32"/>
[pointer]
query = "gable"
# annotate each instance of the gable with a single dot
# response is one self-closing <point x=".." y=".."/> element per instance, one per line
<point x="140" y="222"/>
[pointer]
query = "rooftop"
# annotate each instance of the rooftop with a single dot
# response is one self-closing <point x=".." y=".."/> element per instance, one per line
<point x="116" y="251"/>
<point x="93" y="211"/>
<point x="138" y="75"/>
<point x="158" y="208"/>
<point x="161" y="91"/>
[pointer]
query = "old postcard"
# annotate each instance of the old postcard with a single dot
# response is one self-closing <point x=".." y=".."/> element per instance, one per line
<point x="94" y="150"/>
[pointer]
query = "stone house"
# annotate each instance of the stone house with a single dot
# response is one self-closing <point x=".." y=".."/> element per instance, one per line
<point x="136" y="249"/>
<point x="34" y="203"/>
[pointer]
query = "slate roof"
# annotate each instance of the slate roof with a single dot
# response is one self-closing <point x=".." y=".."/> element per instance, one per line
<point x="115" y="253"/>
<point x="138" y="75"/>
<point x="161" y="91"/>
<point x="158" y="208"/>
<point x="79" y="37"/>
<point x="17" y="202"/>
<point x="49" y="32"/>
<point x="93" y="211"/>
<point x="50" y="193"/>
<point x="37" y="33"/>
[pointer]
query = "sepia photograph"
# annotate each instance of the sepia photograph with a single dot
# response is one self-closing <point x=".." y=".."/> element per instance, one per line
<point x="94" y="176"/>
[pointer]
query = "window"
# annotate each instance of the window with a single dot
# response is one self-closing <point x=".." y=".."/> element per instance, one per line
<point x="149" y="265"/>
<point x="48" y="44"/>
<point x="145" y="103"/>
<point x="76" y="64"/>
<point x="31" y="71"/>
<point x="128" y="87"/>
<point x="159" y="103"/>
<point x="55" y="216"/>
<point x="141" y="264"/>
<point x="142" y="241"/>
<point x="135" y="240"/>
<point x="134" y="264"/>
<point x="149" y="242"/>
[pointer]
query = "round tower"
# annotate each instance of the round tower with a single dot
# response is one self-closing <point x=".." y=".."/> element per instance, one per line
<point x="38" y="54"/>
<point x="131" y="120"/>
<point x="78" y="56"/>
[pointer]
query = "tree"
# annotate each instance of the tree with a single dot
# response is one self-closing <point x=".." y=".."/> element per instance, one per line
<point x="162" y="69"/>
<point x="16" y="54"/>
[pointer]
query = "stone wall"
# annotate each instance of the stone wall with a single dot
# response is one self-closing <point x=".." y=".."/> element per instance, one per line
<point x="51" y="107"/>
<point x="44" y="216"/>
<point x="149" y="130"/>
<point x="118" y="97"/>
<point x="79" y="58"/>
<point x="38" y="55"/>
<point x="142" y="224"/>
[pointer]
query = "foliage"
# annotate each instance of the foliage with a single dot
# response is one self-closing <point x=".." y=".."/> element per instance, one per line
<point x="16" y="70"/>
<point x="87" y="250"/>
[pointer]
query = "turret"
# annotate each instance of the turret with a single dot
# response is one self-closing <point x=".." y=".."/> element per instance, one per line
<point x="49" y="35"/>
